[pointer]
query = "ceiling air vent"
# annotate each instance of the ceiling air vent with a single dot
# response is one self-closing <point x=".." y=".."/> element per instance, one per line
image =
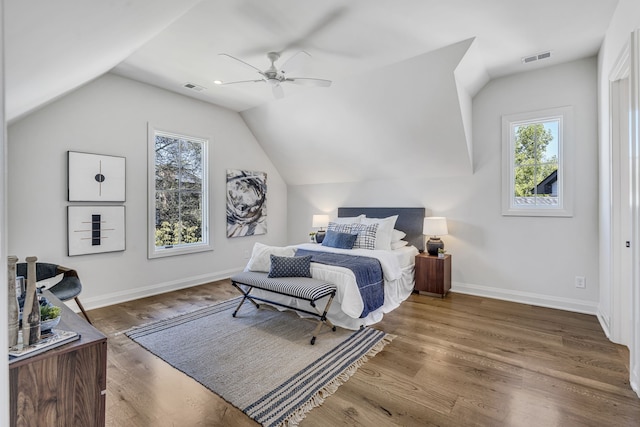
<point x="194" y="87"/>
<point x="537" y="57"/>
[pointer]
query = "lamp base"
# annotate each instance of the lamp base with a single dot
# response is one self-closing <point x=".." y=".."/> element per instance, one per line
<point x="433" y="244"/>
<point x="320" y="236"/>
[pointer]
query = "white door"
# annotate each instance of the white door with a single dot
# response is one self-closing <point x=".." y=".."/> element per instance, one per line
<point x="620" y="303"/>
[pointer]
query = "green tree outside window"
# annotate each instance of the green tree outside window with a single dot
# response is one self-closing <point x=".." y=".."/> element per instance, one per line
<point x="179" y="191"/>
<point x="535" y="159"/>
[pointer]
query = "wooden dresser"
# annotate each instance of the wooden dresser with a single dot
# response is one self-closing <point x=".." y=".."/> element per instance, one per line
<point x="65" y="386"/>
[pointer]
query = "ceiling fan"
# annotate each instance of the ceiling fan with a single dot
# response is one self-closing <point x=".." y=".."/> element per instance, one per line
<point x="274" y="76"/>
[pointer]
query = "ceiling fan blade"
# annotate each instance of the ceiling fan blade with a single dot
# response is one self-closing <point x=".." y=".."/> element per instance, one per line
<point x="294" y="62"/>
<point x="246" y="64"/>
<point x="308" y="81"/>
<point x="276" y="24"/>
<point x="278" y="92"/>
<point x="241" y="81"/>
<point x="320" y="26"/>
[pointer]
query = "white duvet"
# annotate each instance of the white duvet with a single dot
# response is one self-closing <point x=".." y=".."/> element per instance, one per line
<point x="397" y="269"/>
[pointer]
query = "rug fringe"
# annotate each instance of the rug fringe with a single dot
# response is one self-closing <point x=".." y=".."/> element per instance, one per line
<point x="318" y="399"/>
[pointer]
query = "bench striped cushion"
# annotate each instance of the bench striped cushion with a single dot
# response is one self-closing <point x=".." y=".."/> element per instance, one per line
<point x="298" y="287"/>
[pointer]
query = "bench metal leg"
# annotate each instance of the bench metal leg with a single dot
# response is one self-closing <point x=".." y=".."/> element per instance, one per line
<point x="244" y="298"/>
<point x="323" y="319"/>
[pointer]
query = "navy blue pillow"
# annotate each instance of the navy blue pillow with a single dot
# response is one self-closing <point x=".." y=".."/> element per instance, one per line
<point x="290" y="266"/>
<point x="335" y="239"/>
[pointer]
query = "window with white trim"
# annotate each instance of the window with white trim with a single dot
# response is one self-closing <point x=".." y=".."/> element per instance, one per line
<point x="537" y="163"/>
<point x="178" y="194"/>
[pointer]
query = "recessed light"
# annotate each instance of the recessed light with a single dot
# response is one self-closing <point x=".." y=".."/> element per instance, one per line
<point x="218" y="82"/>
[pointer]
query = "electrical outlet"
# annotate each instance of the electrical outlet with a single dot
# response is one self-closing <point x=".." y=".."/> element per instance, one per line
<point x="581" y="282"/>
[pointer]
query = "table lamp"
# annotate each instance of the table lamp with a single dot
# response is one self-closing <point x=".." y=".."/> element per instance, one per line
<point x="320" y="221"/>
<point x="434" y="226"/>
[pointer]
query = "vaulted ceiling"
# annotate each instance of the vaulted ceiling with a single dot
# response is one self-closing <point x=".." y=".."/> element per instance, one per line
<point x="404" y="71"/>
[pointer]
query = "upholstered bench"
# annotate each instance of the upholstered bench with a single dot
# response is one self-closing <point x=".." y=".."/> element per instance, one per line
<point x="304" y="288"/>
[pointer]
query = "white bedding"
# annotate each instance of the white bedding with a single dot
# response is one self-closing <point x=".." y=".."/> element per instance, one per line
<point x="397" y="269"/>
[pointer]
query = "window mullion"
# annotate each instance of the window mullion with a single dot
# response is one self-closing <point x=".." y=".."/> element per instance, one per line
<point x="180" y="225"/>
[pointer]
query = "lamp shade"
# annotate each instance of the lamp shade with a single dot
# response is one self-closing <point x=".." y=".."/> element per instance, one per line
<point x="435" y="226"/>
<point x="320" y="221"/>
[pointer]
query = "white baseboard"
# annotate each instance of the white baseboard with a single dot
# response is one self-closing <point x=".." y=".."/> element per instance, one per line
<point x="147" y="291"/>
<point x="604" y="324"/>
<point x="579" y="306"/>
<point x="568" y="304"/>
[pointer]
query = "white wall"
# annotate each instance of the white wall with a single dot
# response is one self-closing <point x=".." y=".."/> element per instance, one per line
<point x="518" y="258"/>
<point x="335" y="128"/>
<point x="109" y="116"/>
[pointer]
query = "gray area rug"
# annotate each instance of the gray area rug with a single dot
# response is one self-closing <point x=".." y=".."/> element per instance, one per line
<point x="260" y="361"/>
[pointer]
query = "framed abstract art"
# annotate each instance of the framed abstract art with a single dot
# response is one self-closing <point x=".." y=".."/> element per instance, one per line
<point x="246" y="203"/>
<point x="95" y="229"/>
<point x="95" y="177"/>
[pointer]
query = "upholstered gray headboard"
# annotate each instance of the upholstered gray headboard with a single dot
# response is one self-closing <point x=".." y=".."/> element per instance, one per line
<point x="410" y="220"/>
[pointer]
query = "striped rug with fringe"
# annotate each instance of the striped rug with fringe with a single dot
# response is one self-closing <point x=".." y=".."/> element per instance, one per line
<point x="261" y="361"/>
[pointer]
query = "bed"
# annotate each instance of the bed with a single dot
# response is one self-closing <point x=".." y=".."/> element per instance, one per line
<point x="397" y="265"/>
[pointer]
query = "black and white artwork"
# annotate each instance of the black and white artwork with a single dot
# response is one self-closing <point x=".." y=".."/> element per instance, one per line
<point x="96" y="177"/>
<point x="95" y="229"/>
<point x="246" y="203"/>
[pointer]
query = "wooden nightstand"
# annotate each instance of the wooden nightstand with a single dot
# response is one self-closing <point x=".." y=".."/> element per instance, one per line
<point x="433" y="274"/>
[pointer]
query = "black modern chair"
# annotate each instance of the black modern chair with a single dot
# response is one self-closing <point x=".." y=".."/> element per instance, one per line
<point x="68" y="287"/>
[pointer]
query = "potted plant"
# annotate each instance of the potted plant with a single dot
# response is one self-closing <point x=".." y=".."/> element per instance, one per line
<point x="49" y="316"/>
<point x="441" y="252"/>
<point x="312" y="237"/>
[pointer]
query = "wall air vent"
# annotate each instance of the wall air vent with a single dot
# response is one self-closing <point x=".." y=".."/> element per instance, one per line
<point x="194" y="87"/>
<point x="537" y="57"/>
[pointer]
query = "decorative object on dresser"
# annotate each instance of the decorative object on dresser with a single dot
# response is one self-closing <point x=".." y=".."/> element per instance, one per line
<point x="320" y="221"/>
<point x="246" y="203"/>
<point x="435" y="226"/>
<point x="31" y="310"/>
<point x="13" y="307"/>
<point x="433" y="274"/>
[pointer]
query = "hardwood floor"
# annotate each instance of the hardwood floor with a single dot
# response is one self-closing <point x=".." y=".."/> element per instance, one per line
<point x="458" y="361"/>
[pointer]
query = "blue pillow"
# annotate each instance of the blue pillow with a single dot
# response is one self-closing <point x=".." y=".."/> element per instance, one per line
<point x="285" y="266"/>
<point x="335" y="239"/>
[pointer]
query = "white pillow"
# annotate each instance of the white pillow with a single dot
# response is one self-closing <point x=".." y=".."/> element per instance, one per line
<point x="260" y="257"/>
<point x="385" y="230"/>
<point x="348" y="220"/>
<point x="399" y="244"/>
<point x="397" y="235"/>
